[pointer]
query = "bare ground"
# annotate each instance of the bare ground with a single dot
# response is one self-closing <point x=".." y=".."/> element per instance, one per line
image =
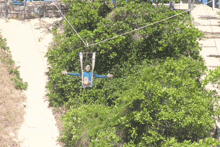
<point x="11" y="108"/>
<point x="29" y="42"/>
<point x="58" y="113"/>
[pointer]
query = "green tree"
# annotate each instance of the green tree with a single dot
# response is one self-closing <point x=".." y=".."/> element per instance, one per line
<point x="156" y="97"/>
<point x="165" y="105"/>
<point x="171" y="38"/>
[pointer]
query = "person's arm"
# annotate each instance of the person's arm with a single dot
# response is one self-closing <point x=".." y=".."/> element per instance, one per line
<point x="105" y="76"/>
<point x="72" y="74"/>
<point x="99" y="76"/>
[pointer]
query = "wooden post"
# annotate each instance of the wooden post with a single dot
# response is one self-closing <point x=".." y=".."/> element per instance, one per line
<point x="1" y="12"/>
<point x="193" y="4"/>
<point x="181" y="3"/>
<point x="6" y="9"/>
<point x="171" y="5"/>
<point x="24" y="7"/>
<point x="19" y="12"/>
<point x="189" y="6"/>
<point x="44" y="8"/>
<point x="213" y="4"/>
<point x="61" y="8"/>
<point x="219" y="4"/>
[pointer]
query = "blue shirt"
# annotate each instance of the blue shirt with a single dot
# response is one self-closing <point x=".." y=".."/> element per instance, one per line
<point x="88" y="74"/>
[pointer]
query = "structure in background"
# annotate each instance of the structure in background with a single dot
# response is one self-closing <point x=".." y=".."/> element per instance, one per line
<point x="24" y="9"/>
<point x="212" y="3"/>
<point x="31" y="9"/>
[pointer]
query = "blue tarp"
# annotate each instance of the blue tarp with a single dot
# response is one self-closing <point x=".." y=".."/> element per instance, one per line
<point x="17" y="3"/>
<point x="210" y="4"/>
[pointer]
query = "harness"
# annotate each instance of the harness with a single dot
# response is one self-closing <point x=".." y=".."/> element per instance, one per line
<point x="93" y="66"/>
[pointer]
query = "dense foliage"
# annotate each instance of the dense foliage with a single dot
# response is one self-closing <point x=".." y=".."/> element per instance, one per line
<point x="165" y="102"/>
<point x="156" y="97"/>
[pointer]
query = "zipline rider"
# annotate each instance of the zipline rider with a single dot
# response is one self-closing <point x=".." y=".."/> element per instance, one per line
<point x="87" y="76"/>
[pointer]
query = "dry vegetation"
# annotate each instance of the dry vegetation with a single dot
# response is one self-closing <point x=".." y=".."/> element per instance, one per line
<point x="11" y="99"/>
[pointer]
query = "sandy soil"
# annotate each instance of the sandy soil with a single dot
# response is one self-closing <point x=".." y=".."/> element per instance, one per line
<point x="28" y="41"/>
<point x="11" y="108"/>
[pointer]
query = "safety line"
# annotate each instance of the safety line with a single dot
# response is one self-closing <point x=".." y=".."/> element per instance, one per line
<point x="138" y="28"/>
<point x="141" y="27"/>
<point x="86" y="44"/>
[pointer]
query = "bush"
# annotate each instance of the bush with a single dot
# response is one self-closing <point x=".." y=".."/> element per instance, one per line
<point x="166" y="103"/>
<point x="155" y="98"/>
<point x="171" y="38"/>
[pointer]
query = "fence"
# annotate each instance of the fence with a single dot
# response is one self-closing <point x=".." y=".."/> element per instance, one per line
<point x="33" y="9"/>
<point x="215" y="3"/>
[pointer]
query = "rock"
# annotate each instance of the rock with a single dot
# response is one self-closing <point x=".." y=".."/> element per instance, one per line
<point x="24" y="104"/>
<point x="15" y="140"/>
<point x="12" y="134"/>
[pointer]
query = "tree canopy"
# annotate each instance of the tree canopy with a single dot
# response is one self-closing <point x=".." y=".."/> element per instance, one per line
<point x="156" y="97"/>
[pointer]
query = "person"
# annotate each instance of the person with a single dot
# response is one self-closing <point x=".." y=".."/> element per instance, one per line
<point x="87" y="76"/>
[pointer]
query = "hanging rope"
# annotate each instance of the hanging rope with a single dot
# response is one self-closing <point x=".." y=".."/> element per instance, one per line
<point x="70" y="24"/>
<point x="86" y="58"/>
<point x="81" y="61"/>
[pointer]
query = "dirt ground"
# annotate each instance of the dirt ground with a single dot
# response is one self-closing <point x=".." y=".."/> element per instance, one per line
<point x="11" y="108"/>
<point x="39" y="123"/>
<point x="58" y="113"/>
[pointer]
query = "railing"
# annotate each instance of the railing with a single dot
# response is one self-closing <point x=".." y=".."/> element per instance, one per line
<point x="214" y="4"/>
<point x="24" y="10"/>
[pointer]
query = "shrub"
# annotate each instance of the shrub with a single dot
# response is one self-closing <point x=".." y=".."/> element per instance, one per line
<point x="165" y="104"/>
<point x="171" y="38"/>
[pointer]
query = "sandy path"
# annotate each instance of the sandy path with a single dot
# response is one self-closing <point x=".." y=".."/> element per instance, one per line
<point x="207" y="21"/>
<point x="28" y="46"/>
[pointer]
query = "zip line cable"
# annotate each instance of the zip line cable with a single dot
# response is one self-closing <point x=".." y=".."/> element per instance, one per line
<point x="86" y="44"/>
<point x="138" y="28"/>
<point x="142" y="27"/>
